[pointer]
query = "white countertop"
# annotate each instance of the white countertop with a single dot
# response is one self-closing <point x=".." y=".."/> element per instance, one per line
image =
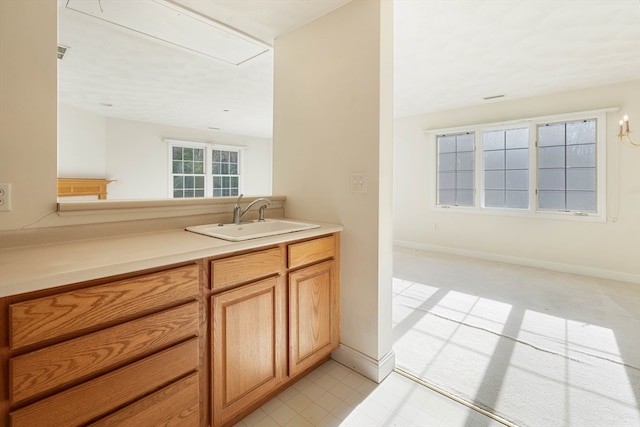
<point x="32" y="268"/>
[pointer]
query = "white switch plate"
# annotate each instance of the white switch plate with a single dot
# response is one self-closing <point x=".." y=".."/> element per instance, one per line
<point x="358" y="182"/>
<point x="5" y="197"/>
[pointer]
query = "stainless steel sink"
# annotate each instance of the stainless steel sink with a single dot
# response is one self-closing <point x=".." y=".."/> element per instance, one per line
<point x="251" y="230"/>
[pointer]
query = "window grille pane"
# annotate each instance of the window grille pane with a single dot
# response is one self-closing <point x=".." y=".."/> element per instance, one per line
<point x="447" y="197"/>
<point x="494" y="199"/>
<point x="517" y="158"/>
<point x="177" y="153"/>
<point x="517" y="199"/>
<point x="187" y="153"/>
<point x="177" y="167"/>
<point x="551" y="179"/>
<point x="581" y="201"/>
<point x="464" y="197"/>
<point x="464" y="180"/>
<point x="447" y="162"/>
<point x="551" y="135"/>
<point x="551" y="157"/>
<point x="464" y="142"/>
<point x="551" y="200"/>
<point x="465" y="161"/>
<point x="517" y="180"/>
<point x="582" y="132"/>
<point x="581" y="156"/>
<point x="178" y="194"/>
<point x="447" y="180"/>
<point x="581" y="179"/>
<point x="494" y="180"/>
<point x="493" y="140"/>
<point x="517" y="138"/>
<point x="494" y="160"/>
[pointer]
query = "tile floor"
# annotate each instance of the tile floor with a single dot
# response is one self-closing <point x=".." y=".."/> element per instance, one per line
<point x="333" y="395"/>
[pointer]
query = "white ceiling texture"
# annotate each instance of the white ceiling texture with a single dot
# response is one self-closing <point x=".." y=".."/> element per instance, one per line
<point x="447" y="54"/>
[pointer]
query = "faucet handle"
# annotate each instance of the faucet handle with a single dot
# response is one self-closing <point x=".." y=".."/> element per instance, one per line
<point x="238" y="201"/>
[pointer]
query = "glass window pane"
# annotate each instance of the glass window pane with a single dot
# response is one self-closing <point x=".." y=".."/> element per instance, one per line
<point x="188" y="153"/>
<point x="581" y="179"/>
<point x="199" y="193"/>
<point x="224" y="169"/>
<point x="177" y="167"/>
<point x="551" y="200"/>
<point x="225" y="192"/>
<point x="464" y="142"/>
<point x="188" y="182"/>
<point x="198" y="154"/>
<point x="217" y="157"/>
<point x="176" y="153"/>
<point x="233" y="157"/>
<point x="551" y="179"/>
<point x="494" y="160"/>
<point x="233" y="169"/>
<point x="216" y="168"/>
<point x="582" y="132"/>
<point x="493" y="140"/>
<point x="447" y="197"/>
<point x="188" y="167"/>
<point x="447" y="144"/>
<point x="517" y="199"/>
<point x="494" y="198"/>
<point x="224" y="156"/>
<point x="177" y="182"/>
<point x="233" y="182"/>
<point x="581" y="155"/>
<point x="447" y="180"/>
<point x="517" y="159"/>
<point x="551" y="157"/>
<point x="465" y="161"/>
<point x="464" y="180"/>
<point x="198" y="167"/>
<point x="552" y="134"/>
<point x="199" y="182"/>
<point x="517" y="180"/>
<point x="188" y="193"/>
<point x="217" y="192"/>
<point x="464" y="198"/>
<point x="517" y="138"/>
<point x="217" y="181"/>
<point x="447" y="162"/>
<point x="178" y="194"/>
<point x="581" y="201"/>
<point x="494" y="180"/>
<point x="233" y="192"/>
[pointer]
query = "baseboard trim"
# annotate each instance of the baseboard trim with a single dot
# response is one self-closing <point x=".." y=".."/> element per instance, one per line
<point x="528" y="262"/>
<point x="375" y="370"/>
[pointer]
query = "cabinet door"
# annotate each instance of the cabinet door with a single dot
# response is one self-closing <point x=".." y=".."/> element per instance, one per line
<point x="249" y="345"/>
<point x="313" y="315"/>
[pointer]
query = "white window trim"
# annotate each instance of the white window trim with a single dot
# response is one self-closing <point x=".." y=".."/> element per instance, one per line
<point x="209" y="147"/>
<point x="532" y="212"/>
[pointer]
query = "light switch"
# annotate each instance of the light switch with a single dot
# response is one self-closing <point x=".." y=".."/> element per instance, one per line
<point x="358" y="182"/>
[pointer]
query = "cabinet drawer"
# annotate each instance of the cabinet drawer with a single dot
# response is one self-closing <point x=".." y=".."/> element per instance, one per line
<point x="243" y="268"/>
<point x="311" y="251"/>
<point x="71" y="361"/>
<point x="175" y="405"/>
<point x="98" y="397"/>
<point x="62" y="314"/>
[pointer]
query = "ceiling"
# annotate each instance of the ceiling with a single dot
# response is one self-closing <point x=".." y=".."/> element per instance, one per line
<point x="447" y="54"/>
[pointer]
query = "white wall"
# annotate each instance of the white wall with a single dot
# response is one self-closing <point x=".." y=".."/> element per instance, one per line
<point x="135" y="155"/>
<point x="81" y="143"/>
<point x="332" y="117"/>
<point x="28" y="84"/>
<point x="610" y="249"/>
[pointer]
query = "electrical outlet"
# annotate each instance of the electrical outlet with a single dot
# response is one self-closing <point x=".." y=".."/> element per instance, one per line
<point x="5" y="197"/>
<point x="358" y="182"/>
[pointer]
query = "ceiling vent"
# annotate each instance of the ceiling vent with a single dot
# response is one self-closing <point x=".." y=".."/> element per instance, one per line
<point x="173" y="25"/>
<point x="62" y="50"/>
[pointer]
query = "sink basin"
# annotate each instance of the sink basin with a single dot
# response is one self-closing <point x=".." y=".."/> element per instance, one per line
<point x="251" y="230"/>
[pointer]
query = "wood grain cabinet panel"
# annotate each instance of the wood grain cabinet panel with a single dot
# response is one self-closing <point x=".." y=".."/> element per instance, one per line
<point x="93" y="399"/>
<point x="311" y="251"/>
<point x="244" y="268"/>
<point x="71" y="361"/>
<point x="249" y="345"/>
<point x="313" y="315"/>
<point x="58" y="315"/>
<point x="175" y="405"/>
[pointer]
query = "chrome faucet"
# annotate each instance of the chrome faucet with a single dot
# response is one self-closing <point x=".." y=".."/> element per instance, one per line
<point x="238" y="213"/>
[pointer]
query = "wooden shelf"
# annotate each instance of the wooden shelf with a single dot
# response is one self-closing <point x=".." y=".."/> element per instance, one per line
<point x="83" y="187"/>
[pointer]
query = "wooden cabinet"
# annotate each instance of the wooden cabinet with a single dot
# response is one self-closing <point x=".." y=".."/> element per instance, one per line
<point x="99" y="353"/>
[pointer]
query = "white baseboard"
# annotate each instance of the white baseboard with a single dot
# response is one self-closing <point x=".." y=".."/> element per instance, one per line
<point x="528" y="262"/>
<point x="375" y="370"/>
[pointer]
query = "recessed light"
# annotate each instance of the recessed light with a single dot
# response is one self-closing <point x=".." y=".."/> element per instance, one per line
<point x="486" y="98"/>
<point x="225" y="111"/>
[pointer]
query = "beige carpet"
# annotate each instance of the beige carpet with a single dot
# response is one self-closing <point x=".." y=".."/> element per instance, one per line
<point x="537" y="348"/>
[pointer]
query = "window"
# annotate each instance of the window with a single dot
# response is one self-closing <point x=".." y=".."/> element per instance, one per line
<point x="226" y="173"/>
<point x="203" y="170"/>
<point x="506" y="168"/>
<point x="567" y="166"/>
<point x="544" y="166"/>
<point x="456" y="169"/>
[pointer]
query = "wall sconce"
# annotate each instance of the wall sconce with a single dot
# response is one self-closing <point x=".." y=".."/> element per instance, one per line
<point x="624" y="135"/>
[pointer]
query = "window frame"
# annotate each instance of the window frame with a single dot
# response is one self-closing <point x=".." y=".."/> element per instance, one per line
<point x="531" y="123"/>
<point x="208" y="163"/>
